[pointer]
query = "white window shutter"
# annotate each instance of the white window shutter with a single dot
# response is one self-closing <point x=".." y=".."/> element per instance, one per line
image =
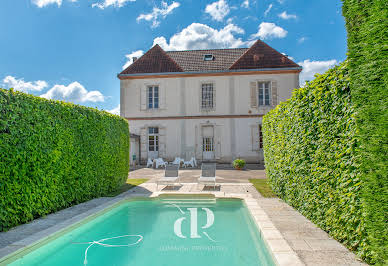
<point x="143" y="98"/>
<point x="162" y="142"/>
<point x="214" y="96"/>
<point x="274" y="89"/>
<point x="162" y="99"/>
<point x="217" y="139"/>
<point x="255" y="137"/>
<point x="253" y="87"/>
<point x="198" y="143"/>
<point x="200" y="96"/>
<point x="143" y="143"/>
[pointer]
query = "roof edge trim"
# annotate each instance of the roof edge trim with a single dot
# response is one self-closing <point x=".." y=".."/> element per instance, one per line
<point x="209" y="72"/>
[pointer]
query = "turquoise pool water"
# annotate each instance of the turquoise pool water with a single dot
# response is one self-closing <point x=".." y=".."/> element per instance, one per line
<point x="164" y="231"/>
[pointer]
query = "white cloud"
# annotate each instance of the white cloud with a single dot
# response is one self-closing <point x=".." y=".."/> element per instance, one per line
<point x="115" y="111"/>
<point x="114" y="3"/>
<point x="284" y="15"/>
<point x="310" y="68"/>
<point x="200" y="36"/>
<point x="288" y="56"/>
<point x="245" y="4"/>
<point x="218" y="10"/>
<point x="267" y="10"/>
<point x="21" y="85"/>
<point x="269" y="30"/>
<point x="130" y="57"/>
<point x="158" y="12"/>
<point x="302" y="39"/>
<point x="74" y="92"/>
<point x="43" y="3"/>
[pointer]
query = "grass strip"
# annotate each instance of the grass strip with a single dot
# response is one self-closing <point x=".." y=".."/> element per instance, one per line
<point x="263" y="187"/>
<point x="131" y="183"/>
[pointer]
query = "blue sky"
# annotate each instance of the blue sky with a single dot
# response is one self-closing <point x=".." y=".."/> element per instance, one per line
<point x="73" y="49"/>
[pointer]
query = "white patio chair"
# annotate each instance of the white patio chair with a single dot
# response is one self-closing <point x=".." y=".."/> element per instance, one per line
<point x="178" y="161"/>
<point x="191" y="163"/>
<point x="208" y="174"/>
<point x="171" y="176"/>
<point x="160" y="162"/>
<point x="150" y="162"/>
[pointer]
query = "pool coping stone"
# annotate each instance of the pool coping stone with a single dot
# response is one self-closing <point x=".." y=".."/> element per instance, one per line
<point x="282" y="253"/>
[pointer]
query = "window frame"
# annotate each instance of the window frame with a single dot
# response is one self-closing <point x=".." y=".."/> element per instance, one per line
<point x="205" y="103"/>
<point x="263" y="91"/>
<point x="153" y="133"/>
<point x="260" y="136"/>
<point x="207" y="144"/>
<point x="208" y="57"/>
<point x="153" y="97"/>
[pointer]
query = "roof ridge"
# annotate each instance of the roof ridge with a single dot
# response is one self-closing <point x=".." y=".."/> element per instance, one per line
<point x="193" y="50"/>
<point x="173" y="61"/>
<point x="241" y="56"/>
<point x="155" y="48"/>
<point x="277" y="51"/>
<point x="255" y="45"/>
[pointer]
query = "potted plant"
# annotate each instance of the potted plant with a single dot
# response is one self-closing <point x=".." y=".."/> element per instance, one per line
<point x="239" y="164"/>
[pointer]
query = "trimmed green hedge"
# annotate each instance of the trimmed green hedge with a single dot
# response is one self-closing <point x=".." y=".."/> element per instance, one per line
<point x="310" y="158"/>
<point x="326" y="149"/>
<point x="367" y="27"/>
<point x="55" y="154"/>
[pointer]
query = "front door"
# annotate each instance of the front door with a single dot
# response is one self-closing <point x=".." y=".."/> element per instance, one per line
<point x="207" y="143"/>
<point x="153" y="142"/>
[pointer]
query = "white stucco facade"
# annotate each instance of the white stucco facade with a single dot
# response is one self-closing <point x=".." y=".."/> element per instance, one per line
<point x="183" y="126"/>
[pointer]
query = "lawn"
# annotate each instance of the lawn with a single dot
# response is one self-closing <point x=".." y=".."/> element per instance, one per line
<point x="263" y="187"/>
<point x="131" y="182"/>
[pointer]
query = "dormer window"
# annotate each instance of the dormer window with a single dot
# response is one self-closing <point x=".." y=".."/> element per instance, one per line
<point x="208" y="57"/>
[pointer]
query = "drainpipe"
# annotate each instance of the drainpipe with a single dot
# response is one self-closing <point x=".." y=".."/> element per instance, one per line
<point x="139" y="151"/>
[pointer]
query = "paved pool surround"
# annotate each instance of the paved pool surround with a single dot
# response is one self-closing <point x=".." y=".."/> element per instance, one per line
<point x="291" y="238"/>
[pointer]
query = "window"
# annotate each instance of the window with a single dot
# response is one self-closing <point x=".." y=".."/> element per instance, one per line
<point x="264" y="93"/>
<point x="153" y="97"/>
<point x="260" y="137"/>
<point x="153" y="139"/>
<point x="153" y="130"/>
<point x="207" y="144"/>
<point x="208" y="57"/>
<point x="207" y="96"/>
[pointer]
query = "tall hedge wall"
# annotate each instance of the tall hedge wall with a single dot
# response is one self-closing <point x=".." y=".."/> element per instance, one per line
<point x="56" y="154"/>
<point x="310" y="157"/>
<point x="367" y="27"/>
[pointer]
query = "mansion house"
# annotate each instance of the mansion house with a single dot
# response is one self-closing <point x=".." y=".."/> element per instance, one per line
<point x="206" y="104"/>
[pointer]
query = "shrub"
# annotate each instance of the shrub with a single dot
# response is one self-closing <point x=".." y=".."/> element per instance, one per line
<point x="239" y="163"/>
<point x="55" y="154"/>
<point x="310" y="158"/>
<point x="367" y="27"/>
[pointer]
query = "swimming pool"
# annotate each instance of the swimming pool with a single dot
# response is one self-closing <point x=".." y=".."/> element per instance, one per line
<point x="169" y="230"/>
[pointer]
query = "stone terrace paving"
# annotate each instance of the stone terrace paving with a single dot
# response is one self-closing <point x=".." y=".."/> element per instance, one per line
<point x="293" y="239"/>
